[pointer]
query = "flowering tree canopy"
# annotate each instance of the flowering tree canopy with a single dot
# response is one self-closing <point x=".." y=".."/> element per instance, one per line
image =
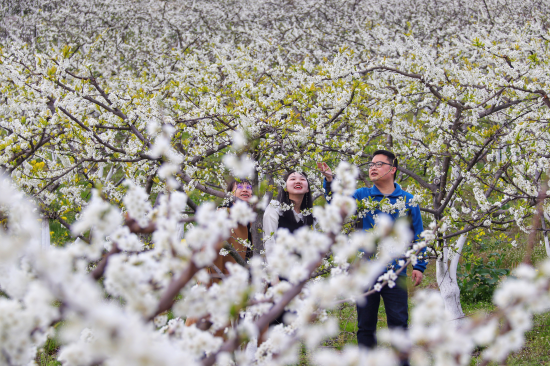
<point x="81" y="91"/>
<point x="106" y="105"/>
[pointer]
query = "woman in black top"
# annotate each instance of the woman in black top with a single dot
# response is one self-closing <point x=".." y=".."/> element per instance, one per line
<point x="287" y="210"/>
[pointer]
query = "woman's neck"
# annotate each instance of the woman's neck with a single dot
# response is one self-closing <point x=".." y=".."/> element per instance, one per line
<point x="297" y="199"/>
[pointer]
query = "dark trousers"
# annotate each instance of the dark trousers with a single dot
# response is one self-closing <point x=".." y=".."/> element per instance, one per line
<point x="397" y="312"/>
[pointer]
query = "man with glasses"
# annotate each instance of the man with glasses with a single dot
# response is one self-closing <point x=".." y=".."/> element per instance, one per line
<point x="382" y="172"/>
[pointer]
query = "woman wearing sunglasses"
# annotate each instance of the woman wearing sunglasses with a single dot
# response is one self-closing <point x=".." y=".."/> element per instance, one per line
<point x="240" y="190"/>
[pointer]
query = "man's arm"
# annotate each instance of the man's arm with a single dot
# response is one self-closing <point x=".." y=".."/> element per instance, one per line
<point x="327" y="180"/>
<point x="418" y="228"/>
<point x="328" y="191"/>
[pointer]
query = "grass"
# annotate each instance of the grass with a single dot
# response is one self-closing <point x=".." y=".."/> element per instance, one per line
<point x="59" y="235"/>
<point x="47" y="355"/>
<point x="537" y="346"/>
<point x="536" y="350"/>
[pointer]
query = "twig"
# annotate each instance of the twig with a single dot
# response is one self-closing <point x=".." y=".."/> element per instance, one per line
<point x="136" y="228"/>
<point x="235" y="254"/>
<point x="383" y="283"/>
<point x="100" y="269"/>
<point x="218" y="271"/>
<point x="321" y="272"/>
<point x="174" y="287"/>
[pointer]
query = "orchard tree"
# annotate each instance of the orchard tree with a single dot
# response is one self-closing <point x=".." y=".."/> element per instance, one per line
<point x="174" y="96"/>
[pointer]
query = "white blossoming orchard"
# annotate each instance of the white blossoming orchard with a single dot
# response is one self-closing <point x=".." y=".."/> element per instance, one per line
<point x="176" y="96"/>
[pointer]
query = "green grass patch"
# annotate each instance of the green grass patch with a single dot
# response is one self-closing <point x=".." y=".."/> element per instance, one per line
<point x="47" y="355"/>
<point x="59" y="234"/>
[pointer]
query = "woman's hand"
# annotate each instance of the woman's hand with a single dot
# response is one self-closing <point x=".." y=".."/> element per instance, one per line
<point x="325" y="169"/>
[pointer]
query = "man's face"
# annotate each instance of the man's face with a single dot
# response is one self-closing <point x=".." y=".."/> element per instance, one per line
<point x="385" y="172"/>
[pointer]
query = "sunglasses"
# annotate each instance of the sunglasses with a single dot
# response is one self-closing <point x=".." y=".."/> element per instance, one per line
<point x="244" y="186"/>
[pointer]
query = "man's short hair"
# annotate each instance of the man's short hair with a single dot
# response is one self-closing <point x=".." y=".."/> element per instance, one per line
<point x="391" y="159"/>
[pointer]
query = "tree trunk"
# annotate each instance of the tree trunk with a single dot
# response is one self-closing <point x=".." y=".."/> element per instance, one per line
<point x="181" y="231"/>
<point x="545" y="233"/>
<point x="257" y="226"/>
<point x="446" y="279"/>
<point x="110" y="174"/>
<point x="45" y="237"/>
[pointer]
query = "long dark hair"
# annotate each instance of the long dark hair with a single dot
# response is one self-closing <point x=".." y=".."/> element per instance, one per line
<point x="307" y="202"/>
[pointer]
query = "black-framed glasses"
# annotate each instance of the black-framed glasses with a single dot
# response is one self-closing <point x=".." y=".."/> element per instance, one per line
<point x="378" y="165"/>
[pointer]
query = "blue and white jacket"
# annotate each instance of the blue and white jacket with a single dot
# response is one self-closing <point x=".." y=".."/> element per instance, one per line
<point x="412" y="212"/>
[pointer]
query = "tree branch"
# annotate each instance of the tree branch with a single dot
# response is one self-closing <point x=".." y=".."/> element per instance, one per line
<point x="100" y="269"/>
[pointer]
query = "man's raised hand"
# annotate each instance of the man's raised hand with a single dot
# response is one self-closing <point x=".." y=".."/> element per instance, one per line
<point x="325" y="169"/>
